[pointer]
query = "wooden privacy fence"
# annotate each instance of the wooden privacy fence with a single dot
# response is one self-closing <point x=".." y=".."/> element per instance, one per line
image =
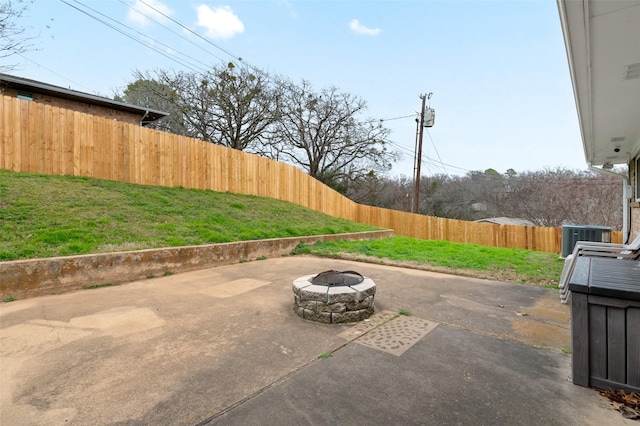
<point x="41" y="138"/>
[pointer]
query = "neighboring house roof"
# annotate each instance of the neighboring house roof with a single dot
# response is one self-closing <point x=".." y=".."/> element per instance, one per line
<point x="601" y="38"/>
<point x="507" y="221"/>
<point x="18" y="83"/>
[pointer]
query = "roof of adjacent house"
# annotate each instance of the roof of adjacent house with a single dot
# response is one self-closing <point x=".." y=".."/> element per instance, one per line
<point x="507" y="221"/>
<point x="19" y="83"/>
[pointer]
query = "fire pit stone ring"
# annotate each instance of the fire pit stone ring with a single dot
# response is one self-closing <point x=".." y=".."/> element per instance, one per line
<point x="334" y="297"/>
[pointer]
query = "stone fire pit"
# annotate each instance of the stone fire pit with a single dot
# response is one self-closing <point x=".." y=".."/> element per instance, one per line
<point x="334" y="297"/>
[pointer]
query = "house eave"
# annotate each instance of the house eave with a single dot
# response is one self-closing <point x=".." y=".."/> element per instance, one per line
<point x="601" y="40"/>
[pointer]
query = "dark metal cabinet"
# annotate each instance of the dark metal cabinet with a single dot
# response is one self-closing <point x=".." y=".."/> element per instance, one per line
<point x="605" y="323"/>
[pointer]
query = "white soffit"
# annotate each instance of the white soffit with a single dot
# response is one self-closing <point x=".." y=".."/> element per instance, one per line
<point x="603" y="46"/>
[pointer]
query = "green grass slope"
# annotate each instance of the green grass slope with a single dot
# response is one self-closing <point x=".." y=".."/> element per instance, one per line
<point x="46" y="216"/>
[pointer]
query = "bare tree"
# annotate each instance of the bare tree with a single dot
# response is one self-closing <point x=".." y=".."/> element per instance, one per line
<point x="553" y="197"/>
<point x="470" y="197"/>
<point x="550" y="197"/>
<point x="321" y="134"/>
<point x="230" y="105"/>
<point x="14" y="39"/>
<point x="155" y="95"/>
<point x="390" y="193"/>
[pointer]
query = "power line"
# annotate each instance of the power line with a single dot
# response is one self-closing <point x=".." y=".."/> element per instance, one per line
<point x="389" y="119"/>
<point x="171" y="31"/>
<point x="237" y="58"/>
<point x="191" y="67"/>
<point x="425" y="158"/>
<point x="186" y="28"/>
<point x="382" y="120"/>
<point x="140" y="33"/>
<point x="436" y="150"/>
<point x="397" y="118"/>
<point x="53" y="72"/>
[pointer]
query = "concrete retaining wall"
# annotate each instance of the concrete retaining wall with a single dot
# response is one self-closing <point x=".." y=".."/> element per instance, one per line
<point x="35" y="277"/>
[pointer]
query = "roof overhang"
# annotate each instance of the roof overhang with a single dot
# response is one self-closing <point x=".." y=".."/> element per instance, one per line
<point x="602" y="38"/>
<point x="148" y="115"/>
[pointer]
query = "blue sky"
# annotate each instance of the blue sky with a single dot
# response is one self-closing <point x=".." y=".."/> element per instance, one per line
<point x="497" y="69"/>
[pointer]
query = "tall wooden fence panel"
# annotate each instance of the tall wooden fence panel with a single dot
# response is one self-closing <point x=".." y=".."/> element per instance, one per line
<point x="41" y="138"/>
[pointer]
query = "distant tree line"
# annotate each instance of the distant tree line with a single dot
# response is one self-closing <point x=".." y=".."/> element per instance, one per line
<point x="550" y="197"/>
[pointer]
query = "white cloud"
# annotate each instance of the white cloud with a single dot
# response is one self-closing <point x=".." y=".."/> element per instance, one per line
<point x="139" y="13"/>
<point x="220" y="22"/>
<point x="358" y="28"/>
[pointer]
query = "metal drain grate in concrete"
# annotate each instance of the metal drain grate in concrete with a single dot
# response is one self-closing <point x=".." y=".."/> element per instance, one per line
<point x="367" y="325"/>
<point x="398" y="335"/>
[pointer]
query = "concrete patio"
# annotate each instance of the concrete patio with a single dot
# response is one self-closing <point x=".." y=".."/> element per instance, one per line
<point x="224" y="346"/>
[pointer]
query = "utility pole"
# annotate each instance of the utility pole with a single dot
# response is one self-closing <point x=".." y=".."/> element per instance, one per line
<point x="427" y="121"/>
<point x="416" y="198"/>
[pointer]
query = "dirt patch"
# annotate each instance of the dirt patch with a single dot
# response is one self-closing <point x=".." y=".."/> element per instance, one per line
<point x="538" y="332"/>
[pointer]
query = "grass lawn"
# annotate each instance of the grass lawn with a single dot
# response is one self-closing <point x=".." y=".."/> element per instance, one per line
<point x="46" y="216"/>
<point x="514" y="265"/>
